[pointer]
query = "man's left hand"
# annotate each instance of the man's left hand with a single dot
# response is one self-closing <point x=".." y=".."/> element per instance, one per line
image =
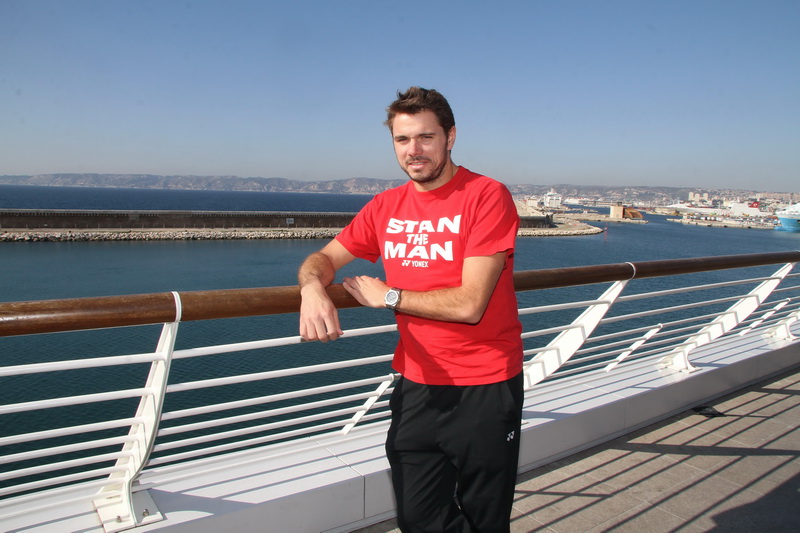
<point x="369" y="291"/>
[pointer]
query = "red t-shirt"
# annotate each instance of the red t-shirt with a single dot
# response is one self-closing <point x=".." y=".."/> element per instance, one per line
<point x="423" y="238"/>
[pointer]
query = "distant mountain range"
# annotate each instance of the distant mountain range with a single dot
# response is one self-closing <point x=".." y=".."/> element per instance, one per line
<point x="344" y="186"/>
<point x="205" y="183"/>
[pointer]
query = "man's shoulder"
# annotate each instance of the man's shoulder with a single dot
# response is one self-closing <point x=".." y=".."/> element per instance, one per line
<point x="481" y="181"/>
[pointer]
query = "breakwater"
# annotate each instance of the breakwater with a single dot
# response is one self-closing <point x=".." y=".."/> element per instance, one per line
<point x="60" y="235"/>
<point x="596" y="217"/>
<point x="571" y="230"/>
<point x="164" y="235"/>
<point x="93" y="220"/>
<point x="724" y="223"/>
<point x="18" y="225"/>
<point x="42" y="235"/>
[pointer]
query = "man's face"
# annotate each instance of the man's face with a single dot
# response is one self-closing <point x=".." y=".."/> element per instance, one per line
<point x="422" y="146"/>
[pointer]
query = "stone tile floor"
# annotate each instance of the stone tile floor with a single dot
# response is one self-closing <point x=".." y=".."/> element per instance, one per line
<point x="738" y="472"/>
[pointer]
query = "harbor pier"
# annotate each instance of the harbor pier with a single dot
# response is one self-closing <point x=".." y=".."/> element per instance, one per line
<point x="18" y="225"/>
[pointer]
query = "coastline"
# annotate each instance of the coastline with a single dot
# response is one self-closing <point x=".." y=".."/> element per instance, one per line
<point x="192" y="234"/>
<point x="171" y="234"/>
<point x="569" y="229"/>
<point x="722" y="223"/>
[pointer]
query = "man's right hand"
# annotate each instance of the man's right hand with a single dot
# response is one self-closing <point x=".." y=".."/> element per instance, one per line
<point x="319" y="320"/>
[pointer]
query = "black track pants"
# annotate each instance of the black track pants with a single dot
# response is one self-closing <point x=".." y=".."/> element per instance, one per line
<point x="454" y="452"/>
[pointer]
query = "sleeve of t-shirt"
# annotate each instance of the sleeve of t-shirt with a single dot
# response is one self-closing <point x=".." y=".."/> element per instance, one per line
<point x="495" y="223"/>
<point x="359" y="237"/>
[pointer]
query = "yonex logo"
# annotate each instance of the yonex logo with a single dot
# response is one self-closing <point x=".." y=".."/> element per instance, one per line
<point x="510" y="436"/>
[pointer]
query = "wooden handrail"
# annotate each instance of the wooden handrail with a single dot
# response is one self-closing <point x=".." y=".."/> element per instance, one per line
<point x="584" y="275"/>
<point x="49" y="316"/>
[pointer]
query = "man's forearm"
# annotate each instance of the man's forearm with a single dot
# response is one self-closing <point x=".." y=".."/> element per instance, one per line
<point x="317" y="268"/>
<point x="455" y="304"/>
<point x="465" y="303"/>
<point x="318" y="317"/>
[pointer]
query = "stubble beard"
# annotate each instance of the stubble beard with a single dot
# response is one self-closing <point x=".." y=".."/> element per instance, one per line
<point x="428" y="177"/>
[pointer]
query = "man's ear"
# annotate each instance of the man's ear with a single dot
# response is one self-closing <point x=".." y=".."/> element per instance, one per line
<point x="451" y="138"/>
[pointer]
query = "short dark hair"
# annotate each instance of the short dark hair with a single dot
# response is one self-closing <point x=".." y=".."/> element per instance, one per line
<point x="416" y="100"/>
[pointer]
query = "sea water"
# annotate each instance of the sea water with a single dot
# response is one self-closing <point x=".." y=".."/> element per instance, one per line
<point x="47" y="270"/>
<point x="52" y="270"/>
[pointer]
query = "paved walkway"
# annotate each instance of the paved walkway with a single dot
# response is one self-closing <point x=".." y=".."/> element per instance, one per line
<point x="733" y="468"/>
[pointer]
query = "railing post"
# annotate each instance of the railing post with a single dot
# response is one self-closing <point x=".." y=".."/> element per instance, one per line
<point x="369" y="403"/>
<point x="635" y="346"/>
<point x="569" y="341"/>
<point x="117" y="505"/>
<point x="780" y="305"/>
<point x="726" y="321"/>
<point x="782" y="330"/>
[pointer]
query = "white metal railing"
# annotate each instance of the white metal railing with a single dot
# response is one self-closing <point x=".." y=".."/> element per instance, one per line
<point x="108" y="456"/>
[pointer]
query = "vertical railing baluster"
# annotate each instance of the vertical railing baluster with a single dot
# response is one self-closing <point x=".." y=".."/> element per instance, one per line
<point x="777" y="307"/>
<point x="569" y="341"/>
<point x="782" y="330"/>
<point x="369" y="403"/>
<point x="678" y="359"/>
<point x="115" y="502"/>
<point x="633" y="347"/>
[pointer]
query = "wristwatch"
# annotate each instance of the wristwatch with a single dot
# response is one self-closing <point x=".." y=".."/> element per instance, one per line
<point x="392" y="298"/>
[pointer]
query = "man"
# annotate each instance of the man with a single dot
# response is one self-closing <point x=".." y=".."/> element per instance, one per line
<point x="446" y="239"/>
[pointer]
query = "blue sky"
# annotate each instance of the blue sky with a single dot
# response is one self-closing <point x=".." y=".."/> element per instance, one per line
<point x="675" y="93"/>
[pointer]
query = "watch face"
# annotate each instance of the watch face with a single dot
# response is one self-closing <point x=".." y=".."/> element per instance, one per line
<point x="391" y="297"/>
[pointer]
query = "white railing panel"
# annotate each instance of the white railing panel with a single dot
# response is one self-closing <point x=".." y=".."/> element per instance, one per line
<point x="217" y="422"/>
<point x="78" y="364"/>
<point x="313" y="369"/>
<point x="596" y="340"/>
<point x="61" y="465"/>
<point x="69" y="401"/>
<point x="269" y="399"/>
<point x="61" y="450"/>
<point x="66" y="432"/>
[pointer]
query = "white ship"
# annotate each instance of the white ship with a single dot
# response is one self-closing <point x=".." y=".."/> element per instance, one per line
<point x="789" y="218"/>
